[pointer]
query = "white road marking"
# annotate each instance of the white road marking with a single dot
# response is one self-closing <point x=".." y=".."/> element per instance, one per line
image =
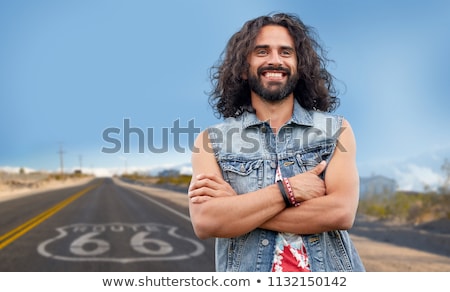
<point x="161" y="205"/>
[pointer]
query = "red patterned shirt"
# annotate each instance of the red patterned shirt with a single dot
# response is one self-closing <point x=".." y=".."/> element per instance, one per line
<point x="290" y="254"/>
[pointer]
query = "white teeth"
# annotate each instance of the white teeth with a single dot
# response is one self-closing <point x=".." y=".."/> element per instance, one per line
<point x="274" y="75"/>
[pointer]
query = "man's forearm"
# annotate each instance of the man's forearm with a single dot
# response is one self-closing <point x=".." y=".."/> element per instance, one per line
<point x="313" y="216"/>
<point x="230" y="216"/>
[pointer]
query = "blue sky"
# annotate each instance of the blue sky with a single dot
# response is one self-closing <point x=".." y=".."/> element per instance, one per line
<point x="69" y="70"/>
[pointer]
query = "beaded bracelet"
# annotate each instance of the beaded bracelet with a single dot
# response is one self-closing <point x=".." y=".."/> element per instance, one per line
<point x="283" y="193"/>
<point x="293" y="202"/>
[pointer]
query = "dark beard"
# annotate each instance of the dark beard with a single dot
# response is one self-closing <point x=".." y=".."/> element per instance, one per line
<point x="272" y="95"/>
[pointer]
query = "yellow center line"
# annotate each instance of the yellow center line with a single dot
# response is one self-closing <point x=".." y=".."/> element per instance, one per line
<point x="17" y="232"/>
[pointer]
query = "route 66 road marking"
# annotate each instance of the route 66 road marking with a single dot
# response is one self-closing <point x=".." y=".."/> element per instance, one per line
<point x="119" y="242"/>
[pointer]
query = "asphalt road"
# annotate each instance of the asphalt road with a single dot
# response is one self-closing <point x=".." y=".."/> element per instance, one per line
<point x="99" y="226"/>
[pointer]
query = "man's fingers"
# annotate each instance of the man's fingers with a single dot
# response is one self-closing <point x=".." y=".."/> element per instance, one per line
<point x="319" y="168"/>
<point x="200" y="199"/>
<point x="211" y="185"/>
<point x="204" y="181"/>
<point x="201" y="191"/>
<point x="211" y="176"/>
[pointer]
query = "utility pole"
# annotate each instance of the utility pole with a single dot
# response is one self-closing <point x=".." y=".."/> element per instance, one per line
<point x="80" y="158"/>
<point x="61" y="160"/>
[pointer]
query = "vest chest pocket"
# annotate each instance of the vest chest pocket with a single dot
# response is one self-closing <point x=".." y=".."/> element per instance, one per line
<point x="244" y="176"/>
<point x="308" y="158"/>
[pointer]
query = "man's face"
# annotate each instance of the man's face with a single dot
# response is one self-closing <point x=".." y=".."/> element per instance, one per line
<point x="272" y="72"/>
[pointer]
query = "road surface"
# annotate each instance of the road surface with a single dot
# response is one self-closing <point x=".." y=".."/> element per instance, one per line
<point x="109" y="225"/>
<point x="100" y="226"/>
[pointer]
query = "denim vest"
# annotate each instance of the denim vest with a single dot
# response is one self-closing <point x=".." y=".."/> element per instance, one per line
<point x="248" y="153"/>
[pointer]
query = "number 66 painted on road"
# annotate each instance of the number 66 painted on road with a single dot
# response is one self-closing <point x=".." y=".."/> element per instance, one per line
<point x="137" y="242"/>
<point x="146" y="241"/>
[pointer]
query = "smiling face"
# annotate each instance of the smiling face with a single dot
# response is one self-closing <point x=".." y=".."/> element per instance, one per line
<point x="272" y="72"/>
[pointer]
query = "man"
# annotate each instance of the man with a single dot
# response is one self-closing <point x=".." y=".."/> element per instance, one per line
<point x="276" y="183"/>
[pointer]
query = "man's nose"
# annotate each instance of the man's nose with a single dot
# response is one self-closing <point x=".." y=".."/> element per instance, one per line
<point x="275" y="59"/>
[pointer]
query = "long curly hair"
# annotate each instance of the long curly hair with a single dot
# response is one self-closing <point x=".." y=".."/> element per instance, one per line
<point x="230" y="95"/>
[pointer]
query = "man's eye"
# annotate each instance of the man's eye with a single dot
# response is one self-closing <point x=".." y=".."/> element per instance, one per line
<point x="261" y="52"/>
<point x="286" y="53"/>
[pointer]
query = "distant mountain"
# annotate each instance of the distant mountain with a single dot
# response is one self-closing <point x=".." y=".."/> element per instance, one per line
<point x="184" y="168"/>
<point x="422" y="171"/>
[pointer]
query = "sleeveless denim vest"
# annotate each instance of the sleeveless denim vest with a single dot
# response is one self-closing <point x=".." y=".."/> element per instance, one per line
<point x="248" y="153"/>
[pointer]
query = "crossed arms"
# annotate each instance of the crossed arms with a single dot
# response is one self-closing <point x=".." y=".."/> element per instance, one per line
<point x="330" y="204"/>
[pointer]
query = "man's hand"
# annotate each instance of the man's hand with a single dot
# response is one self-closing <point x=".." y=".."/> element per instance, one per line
<point x="309" y="185"/>
<point x="207" y="186"/>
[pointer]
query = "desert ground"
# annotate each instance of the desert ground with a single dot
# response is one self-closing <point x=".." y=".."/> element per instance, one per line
<point x="383" y="246"/>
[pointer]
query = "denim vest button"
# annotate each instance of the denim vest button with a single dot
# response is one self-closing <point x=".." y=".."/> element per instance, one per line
<point x="288" y="163"/>
<point x="273" y="164"/>
<point x="265" y="242"/>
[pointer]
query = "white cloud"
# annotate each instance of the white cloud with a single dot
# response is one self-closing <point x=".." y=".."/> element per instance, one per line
<point x="415" y="178"/>
<point x="187" y="170"/>
<point x="411" y="173"/>
<point x="151" y="170"/>
<point x="15" y="169"/>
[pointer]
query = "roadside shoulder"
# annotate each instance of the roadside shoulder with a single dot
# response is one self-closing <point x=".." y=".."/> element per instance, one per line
<point x="178" y="198"/>
<point x="6" y="195"/>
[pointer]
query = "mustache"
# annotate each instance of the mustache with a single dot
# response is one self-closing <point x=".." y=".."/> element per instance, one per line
<point x="274" y="68"/>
